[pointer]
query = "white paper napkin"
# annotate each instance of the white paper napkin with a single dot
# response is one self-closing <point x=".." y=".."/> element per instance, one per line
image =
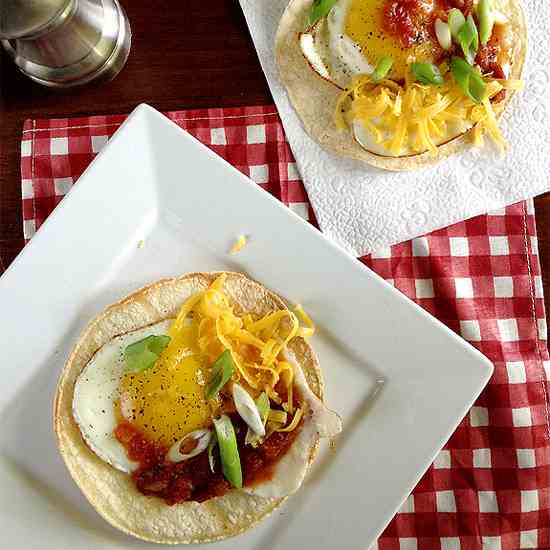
<point x="365" y="209"/>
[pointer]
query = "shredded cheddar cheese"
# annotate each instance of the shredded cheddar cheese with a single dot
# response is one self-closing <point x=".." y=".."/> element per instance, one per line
<point x="309" y="329"/>
<point x="416" y="117"/>
<point x="279" y="417"/>
<point x="293" y="424"/>
<point x="256" y="345"/>
<point x="239" y="244"/>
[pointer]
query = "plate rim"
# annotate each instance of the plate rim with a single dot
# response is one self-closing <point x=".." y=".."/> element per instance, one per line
<point x="144" y="110"/>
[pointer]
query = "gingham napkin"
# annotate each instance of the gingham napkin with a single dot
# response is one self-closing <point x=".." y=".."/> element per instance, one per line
<point x="490" y="486"/>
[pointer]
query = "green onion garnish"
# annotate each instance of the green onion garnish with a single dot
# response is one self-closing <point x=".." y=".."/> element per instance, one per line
<point x="427" y="73"/>
<point x="262" y="403"/>
<point x="455" y="20"/>
<point x="229" y="452"/>
<point x="468" y="79"/>
<point x="443" y="34"/>
<point x="210" y="451"/>
<point x="486" y="20"/>
<point x="143" y="354"/>
<point x="477" y="87"/>
<point x="222" y="370"/>
<point x="468" y="38"/>
<point x="382" y="69"/>
<point x="319" y="9"/>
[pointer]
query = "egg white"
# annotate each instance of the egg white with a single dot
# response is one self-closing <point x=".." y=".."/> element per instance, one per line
<point x="97" y="389"/>
<point x="290" y="471"/>
<point x="331" y="52"/>
<point x="366" y="140"/>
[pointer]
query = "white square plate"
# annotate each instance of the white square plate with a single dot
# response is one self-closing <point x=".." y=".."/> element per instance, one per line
<point x="399" y="378"/>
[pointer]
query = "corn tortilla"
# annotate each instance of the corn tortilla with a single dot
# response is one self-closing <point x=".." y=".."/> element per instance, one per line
<point x="113" y="493"/>
<point x="314" y="98"/>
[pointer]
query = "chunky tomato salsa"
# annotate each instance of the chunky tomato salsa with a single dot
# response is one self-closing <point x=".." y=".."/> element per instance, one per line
<point x="193" y="480"/>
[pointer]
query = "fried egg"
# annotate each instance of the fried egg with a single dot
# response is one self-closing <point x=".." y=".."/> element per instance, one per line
<point x="351" y="40"/>
<point x="164" y="404"/>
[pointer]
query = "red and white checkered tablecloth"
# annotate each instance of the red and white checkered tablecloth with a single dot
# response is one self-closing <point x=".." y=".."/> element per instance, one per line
<point x="490" y="486"/>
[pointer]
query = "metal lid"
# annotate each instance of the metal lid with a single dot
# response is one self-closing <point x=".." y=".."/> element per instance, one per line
<point x="28" y="18"/>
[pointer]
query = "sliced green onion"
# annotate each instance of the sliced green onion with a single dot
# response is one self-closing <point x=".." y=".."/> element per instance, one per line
<point x="263" y="406"/>
<point x="468" y="79"/>
<point x="382" y="69"/>
<point x="222" y="370"/>
<point x="455" y="20"/>
<point x="462" y="72"/>
<point x="262" y="403"/>
<point x="229" y="452"/>
<point x="477" y="87"/>
<point x="210" y="451"/>
<point x="471" y="22"/>
<point x="247" y="409"/>
<point x="201" y="440"/>
<point x="427" y="73"/>
<point x="143" y="354"/>
<point x="486" y="20"/>
<point x="468" y="38"/>
<point x="319" y="9"/>
<point x="443" y="34"/>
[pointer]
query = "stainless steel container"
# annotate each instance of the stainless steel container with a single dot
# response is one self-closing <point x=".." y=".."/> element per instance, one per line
<point x="63" y="43"/>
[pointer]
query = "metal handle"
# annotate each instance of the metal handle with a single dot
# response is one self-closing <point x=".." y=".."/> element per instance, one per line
<point x="88" y="39"/>
<point x="29" y="19"/>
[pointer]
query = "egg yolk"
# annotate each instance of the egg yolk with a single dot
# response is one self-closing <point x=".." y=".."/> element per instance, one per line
<point x="365" y="26"/>
<point x="167" y="401"/>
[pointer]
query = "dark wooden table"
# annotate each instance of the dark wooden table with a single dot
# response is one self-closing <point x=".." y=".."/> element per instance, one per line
<point x="185" y="54"/>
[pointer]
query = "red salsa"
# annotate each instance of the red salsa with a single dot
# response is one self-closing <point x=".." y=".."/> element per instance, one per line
<point x="192" y="479"/>
<point x="405" y="19"/>
<point x="412" y="21"/>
